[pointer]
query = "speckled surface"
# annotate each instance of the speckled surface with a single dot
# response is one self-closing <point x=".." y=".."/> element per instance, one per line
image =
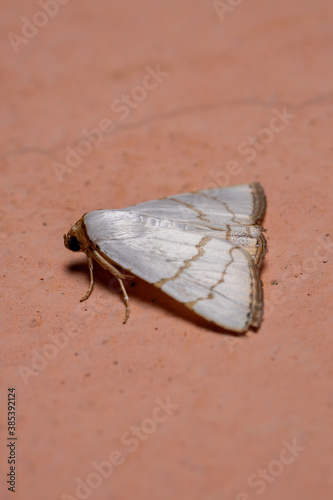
<point x="216" y="98"/>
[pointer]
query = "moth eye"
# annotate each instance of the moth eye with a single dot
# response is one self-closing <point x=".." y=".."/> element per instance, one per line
<point x="73" y="244"/>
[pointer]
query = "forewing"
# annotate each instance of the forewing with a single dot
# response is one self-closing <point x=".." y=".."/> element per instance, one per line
<point x="233" y="214"/>
<point x="214" y="208"/>
<point x="215" y="278"/>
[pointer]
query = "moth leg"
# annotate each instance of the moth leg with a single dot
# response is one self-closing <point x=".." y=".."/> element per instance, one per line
<point x="125" y="300"/>
<point x="90" y="264"/>
<point x="107" y="265"/>
<point x="118" y="275"/>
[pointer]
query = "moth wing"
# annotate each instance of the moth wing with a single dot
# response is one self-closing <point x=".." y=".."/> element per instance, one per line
<point x="233" y="211"/>
<point x="214" y="208"/>
<point x="213" y="277"/>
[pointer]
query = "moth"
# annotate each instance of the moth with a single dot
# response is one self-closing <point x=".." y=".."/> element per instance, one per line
<point x="202" y="248"/>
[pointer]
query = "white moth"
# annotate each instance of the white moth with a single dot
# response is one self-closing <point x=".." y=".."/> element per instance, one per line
<point x="204" y="249"/>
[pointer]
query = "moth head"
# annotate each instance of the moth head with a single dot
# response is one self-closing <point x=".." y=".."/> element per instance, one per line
<point x="76" y="238"/>
<point x="72" y="243"/>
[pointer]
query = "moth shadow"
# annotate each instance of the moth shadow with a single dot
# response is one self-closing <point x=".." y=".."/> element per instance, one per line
<point x="144" y="292"/>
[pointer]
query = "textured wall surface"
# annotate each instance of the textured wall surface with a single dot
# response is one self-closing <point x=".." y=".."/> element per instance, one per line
<point x="107" y="104"/>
